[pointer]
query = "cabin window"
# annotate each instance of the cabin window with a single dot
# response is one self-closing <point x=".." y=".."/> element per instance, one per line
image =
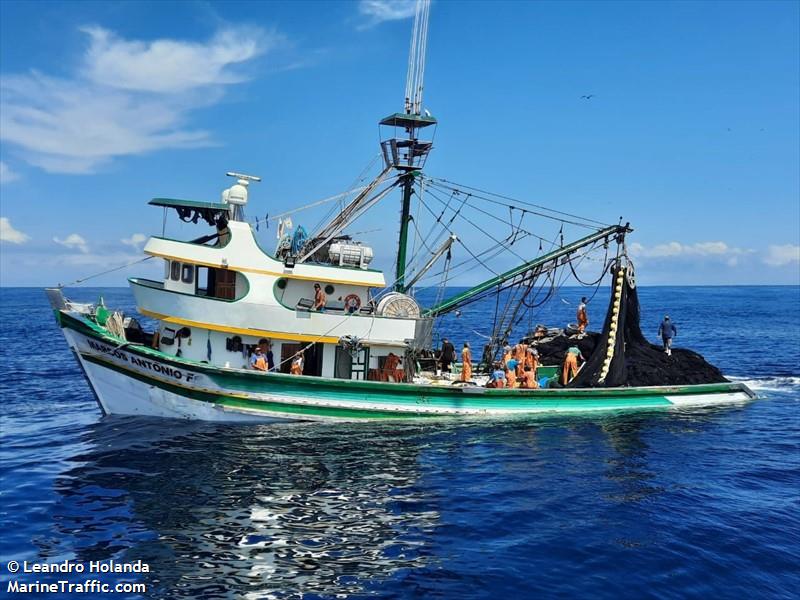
<point x="187" y="274"/>
<point x="329" y="289"/>
<point x="175" y="273"/>
<point x="203" y="275"/>
<point x="166" y="269"/>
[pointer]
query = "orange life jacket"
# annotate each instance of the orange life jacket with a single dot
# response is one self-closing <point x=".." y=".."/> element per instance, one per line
<point x="260" y="364"/>
<point x="511" y="378"/>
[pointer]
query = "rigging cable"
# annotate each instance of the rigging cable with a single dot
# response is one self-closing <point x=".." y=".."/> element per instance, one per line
<point x="566" y="214"/>
<point x="125" y="266"/>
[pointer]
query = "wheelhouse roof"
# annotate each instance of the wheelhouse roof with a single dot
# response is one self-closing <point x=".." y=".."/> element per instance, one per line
<point x="178" y="203"/>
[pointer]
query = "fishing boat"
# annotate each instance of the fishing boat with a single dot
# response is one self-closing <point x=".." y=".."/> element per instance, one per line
<point x="310" y="331"/>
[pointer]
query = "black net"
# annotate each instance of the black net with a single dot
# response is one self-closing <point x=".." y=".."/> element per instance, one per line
<point x="634" y="360"/>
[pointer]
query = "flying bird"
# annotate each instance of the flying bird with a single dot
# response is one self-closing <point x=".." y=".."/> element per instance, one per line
<point x="588" y="96"/>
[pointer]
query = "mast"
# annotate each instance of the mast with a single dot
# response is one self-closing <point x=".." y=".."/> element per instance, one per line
<point x="402" y="244"/>
<point x="407" y="154"/>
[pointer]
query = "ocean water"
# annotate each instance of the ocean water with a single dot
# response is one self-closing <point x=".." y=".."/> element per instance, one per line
<point x="700" y="503"/>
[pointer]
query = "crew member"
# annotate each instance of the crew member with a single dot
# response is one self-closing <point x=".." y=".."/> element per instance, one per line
<point x="223" y="233"/>
<point x="571" y="364"/>
<point x="507" y="353"/>
<point x="532" y="359"/>
<point x="448" y="355"/>
<point x="528" y="380"/>
<point x="297" y="364"/>
<point x="270" y="358"/>
<point x="466" y="363"/>
<point x="320" y="299"/>
<point x="258" y="361"/>
<point x="266" y="347"/>
<point x="583" y="318"/>
<point x="519" y="352"/>
<point x="667" y="331"/>
<point x="498" y="377"/>
<point x="511" y="373"/>
<point x="390" y="367"/>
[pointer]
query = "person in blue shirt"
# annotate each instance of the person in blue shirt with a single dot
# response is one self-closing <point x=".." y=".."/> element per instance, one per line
<point x="667" y="331"/>
<point x="498" y="377"/>
<point x="258" y="361"/>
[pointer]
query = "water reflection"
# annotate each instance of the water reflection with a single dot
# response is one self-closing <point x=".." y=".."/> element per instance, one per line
<point x="258" y="511"/>
<point x="278" y="510"/>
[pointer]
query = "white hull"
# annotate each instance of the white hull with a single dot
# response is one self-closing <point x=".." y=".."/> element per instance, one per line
<point x="127" y="382"/>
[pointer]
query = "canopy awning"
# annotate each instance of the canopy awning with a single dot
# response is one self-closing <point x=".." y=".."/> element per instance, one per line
<point x="193" y="210"/>
<point x="177" y="203"/>
<point x="408" y="120"/>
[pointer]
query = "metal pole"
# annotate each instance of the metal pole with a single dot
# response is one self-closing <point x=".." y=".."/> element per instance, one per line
<point x="405" y="217"/>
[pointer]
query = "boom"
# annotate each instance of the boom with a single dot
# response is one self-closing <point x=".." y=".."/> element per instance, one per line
<point x="464" y="297"/>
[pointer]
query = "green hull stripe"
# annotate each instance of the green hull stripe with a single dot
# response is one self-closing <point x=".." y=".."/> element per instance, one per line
<point x="404" y="396"/>
<point x="222" y="399"/>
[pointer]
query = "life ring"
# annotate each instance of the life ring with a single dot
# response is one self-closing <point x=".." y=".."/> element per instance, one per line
<point x="352" y="303"/>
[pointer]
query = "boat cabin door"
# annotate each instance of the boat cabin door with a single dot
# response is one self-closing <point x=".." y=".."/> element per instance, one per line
<point x="312" y="363"/>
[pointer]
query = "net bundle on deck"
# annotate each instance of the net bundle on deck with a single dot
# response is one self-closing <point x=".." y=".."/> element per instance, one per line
<point x="634" y="360"/>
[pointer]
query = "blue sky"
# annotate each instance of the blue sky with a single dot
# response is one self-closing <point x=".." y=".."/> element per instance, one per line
<point x="693" y="133"/>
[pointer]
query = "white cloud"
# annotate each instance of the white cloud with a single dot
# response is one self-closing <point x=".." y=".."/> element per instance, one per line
<point x="128" y="97"/>
<point x="135" y="241"/>
<point x="716" y="250"/>
<point x="780" y="256"/>
<point x="170" y="66"/>
<point x="73" y="241"/>
<point x="378" y="11"/>
<point x="6" y="174"/>
<point x="9" y="234"/>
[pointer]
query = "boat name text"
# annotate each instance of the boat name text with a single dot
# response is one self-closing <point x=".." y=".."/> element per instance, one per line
<point x="142" y="363"/>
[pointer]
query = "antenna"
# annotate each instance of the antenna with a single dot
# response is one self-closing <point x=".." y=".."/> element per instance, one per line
<point x="416" y="58"/>
<point x="243" y="176"/>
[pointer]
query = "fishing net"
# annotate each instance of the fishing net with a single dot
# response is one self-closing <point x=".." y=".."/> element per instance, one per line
<point x="633" y="360"/>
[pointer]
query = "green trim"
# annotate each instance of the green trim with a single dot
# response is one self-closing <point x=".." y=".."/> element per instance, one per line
<point x="408" y="120"/>
<point x="276" y="289"/>
<point x="159" y="286"/>
<point x="193" y="244"/>
<point x="179" y="203"/>
<point x="405" y="218"/>
<point x="226" y="400"/>
<point x="410" y="394"/>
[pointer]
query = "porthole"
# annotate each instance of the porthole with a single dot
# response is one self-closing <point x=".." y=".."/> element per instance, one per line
<point x="282" y="283"/>
<point x="329" y="289"/>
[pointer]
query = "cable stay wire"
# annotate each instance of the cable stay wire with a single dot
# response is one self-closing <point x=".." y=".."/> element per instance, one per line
<point x="479" y="228"/>
<point x="586" y="225"/>
<point x="492" y="216"/>
<point x="107" y="271"/>
<point x="449" y="183"/>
